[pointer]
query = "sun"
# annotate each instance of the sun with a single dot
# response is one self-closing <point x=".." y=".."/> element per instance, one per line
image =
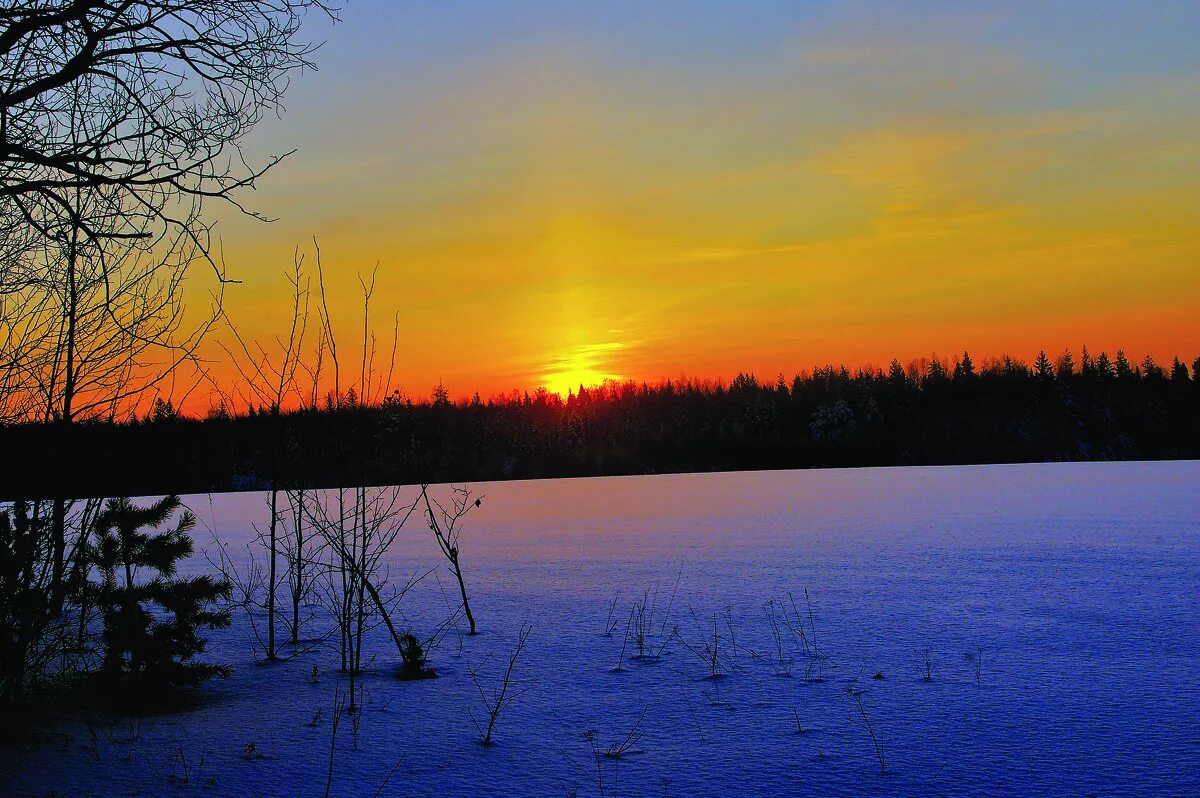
<point x="580" y="365"/>
<point x="564" y="382"/>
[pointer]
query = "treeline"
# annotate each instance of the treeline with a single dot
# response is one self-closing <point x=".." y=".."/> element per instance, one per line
<point x="928" y="412"/>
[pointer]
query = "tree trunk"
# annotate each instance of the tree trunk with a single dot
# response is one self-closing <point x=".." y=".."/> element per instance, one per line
<point x="58" y="532"/>
<point x="462" y="588"/>
<point x="344" y="614"/>
<point x="271" y="573"/>
<point x="58" y="515"/>
<point x="362" y="571"/>
<point x="298" y="586"/>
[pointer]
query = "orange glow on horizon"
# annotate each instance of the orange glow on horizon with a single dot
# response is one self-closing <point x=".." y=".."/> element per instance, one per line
<point x="845" y="192"/>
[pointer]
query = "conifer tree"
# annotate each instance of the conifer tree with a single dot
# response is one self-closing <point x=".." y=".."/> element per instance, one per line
<point x="965" y="368"/>
<point x="1179" y="371"/>
<point x="1066" y="365"/>
<point x="1042" y="366"/>
<point x="1124" y="368"/>
<point x="1087" y="366"/>
<point x="151" y="617"/>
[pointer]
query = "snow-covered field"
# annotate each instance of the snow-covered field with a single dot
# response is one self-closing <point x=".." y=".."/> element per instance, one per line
<point x="1057" y="605"/>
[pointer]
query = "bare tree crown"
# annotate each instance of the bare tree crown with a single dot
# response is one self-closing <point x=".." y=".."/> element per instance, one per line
<point x="145" y="101"/>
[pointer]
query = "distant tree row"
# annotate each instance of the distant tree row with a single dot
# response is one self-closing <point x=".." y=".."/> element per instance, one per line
<point x="930" y="411"/>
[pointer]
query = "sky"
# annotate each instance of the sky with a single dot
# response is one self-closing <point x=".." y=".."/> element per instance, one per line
<point x="559" y="193"/>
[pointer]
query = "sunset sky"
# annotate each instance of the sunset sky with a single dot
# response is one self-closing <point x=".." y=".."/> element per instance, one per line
<point x="562" y="192"/>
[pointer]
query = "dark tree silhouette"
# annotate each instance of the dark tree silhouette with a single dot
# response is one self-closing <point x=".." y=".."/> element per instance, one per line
<point x="37" y="642"/>
<point x="828" y="417"/>
<point x="118" y="121"/>
<point x="1042" y="368"/>
<point x="141" y="103"/>
<point x="152" y="618"/>
<point x="1179" y="372"/>
<point x="25" y="601"/>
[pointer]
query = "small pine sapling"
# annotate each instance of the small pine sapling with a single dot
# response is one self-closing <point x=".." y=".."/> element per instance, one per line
<point x="151" y="625"/>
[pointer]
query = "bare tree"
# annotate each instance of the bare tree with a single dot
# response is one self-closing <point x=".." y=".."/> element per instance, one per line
<point x="145" y="102"/>
<point x="301" y="578"/>
<point x="613" y="752"/>
<point x="99" y="333"/>
<point x="876" y="739"/>
<point x="249" y="580"/>
<point x="358" y="526"/>
<point x="504" y="694"/>
<point x="446" y="523"/>
<point x="339" y="705"/>
<point x="367" y="520"/>
<point x="117" y="122"/>
<point x="269" y="378"/>
<point x="97" y="328"/>
<point x="37" y="641"/>
<point x="299" y="561"/>
<point x="328" y="339"/>
<point x="718" y="652"/>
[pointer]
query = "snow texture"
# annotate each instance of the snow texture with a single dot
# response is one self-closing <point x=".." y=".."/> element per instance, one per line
<point x="1057" y="603"/>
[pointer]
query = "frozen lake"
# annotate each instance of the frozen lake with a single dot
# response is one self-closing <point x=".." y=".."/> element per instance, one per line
<point x="1057" y="606"/>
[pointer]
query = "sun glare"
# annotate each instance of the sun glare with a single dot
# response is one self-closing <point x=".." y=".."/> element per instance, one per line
<point x="584" y="365"/>
<point x="565" y="382"/>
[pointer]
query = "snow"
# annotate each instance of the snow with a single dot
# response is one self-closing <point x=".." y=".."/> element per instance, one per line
<point x="1057" y="602"/>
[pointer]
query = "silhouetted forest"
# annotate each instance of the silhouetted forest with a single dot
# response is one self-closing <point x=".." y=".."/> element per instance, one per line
<point x="928" y="412"/>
